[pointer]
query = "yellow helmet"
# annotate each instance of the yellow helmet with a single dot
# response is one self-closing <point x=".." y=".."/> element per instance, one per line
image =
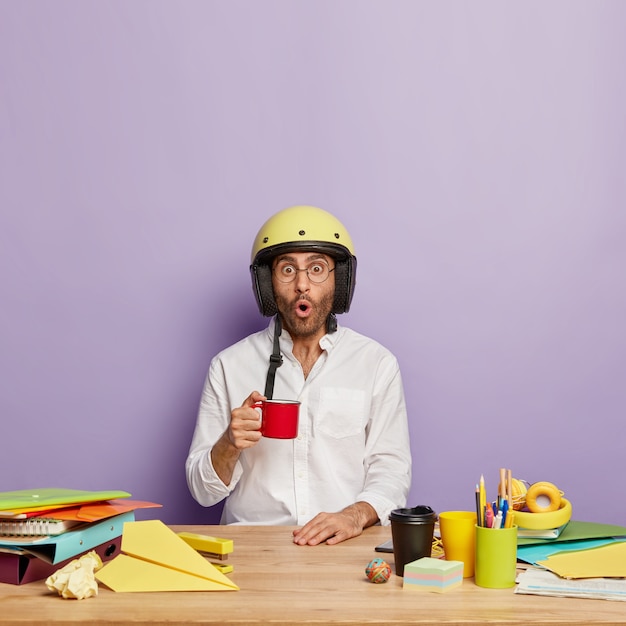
<point x="303" y="228"/>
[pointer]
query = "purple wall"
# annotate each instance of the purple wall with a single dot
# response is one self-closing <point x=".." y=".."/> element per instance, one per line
<point x="474" y="151"/>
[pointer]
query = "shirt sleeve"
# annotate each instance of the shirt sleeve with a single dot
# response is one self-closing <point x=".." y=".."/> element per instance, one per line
<point x="213" y="418"/>
<point x="387" y="460"/>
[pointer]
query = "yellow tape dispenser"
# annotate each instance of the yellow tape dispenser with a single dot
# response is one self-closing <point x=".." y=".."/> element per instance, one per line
<point x="547" y="508"/>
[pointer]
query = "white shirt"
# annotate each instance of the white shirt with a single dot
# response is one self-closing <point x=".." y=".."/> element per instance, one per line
<point x="352" y="443"/>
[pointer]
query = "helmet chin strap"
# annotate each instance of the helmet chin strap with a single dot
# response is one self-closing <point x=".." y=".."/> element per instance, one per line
<point x="331" y="324"/>
<point x="276" y="360"/>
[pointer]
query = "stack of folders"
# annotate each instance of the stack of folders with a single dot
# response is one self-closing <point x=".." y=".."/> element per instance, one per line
<point x="41" y="530"/>
<point x="586" y="560"/>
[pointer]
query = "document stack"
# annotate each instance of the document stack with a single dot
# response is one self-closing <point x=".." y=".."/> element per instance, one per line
<point x="41" y="530"/>
<point x="587" y="560"/>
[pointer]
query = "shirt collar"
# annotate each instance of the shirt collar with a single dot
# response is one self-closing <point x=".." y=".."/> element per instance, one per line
<point x="327" y="342"/>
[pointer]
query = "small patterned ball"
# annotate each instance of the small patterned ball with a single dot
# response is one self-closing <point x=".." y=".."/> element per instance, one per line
<point x="378" y="571"/>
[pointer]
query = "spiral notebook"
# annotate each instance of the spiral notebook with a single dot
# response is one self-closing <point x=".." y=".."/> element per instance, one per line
<point x="36" y="527"/>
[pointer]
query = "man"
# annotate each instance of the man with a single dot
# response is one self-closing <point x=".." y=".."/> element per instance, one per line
<point x="350" y="464"/>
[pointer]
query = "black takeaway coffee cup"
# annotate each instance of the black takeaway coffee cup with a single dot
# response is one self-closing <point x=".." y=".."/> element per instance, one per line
<point x="412" y="533"/>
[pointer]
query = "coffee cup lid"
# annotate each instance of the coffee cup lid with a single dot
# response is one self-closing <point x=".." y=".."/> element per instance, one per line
<point x="420" y="513"/>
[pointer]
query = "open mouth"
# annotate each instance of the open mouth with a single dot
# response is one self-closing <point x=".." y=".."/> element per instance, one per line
<point x="303" y="308"/>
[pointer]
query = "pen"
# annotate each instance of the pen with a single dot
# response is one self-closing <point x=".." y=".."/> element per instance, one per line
<point x="504" y="509"/>
<point x="509" y="520"/>
<point x="478" y="514"/>
<point x="497" y="523"/>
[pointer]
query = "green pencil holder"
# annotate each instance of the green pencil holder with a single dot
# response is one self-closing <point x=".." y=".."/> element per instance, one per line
<point x="496" y="557"/>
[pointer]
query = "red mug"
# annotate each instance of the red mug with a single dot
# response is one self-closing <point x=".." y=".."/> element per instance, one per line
<point x="279" y="418"/>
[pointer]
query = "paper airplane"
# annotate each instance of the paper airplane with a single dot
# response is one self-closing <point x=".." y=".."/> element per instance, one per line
<point x="155" y="558"/>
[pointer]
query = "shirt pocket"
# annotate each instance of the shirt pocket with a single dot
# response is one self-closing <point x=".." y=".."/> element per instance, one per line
<point x="341" y="412"/>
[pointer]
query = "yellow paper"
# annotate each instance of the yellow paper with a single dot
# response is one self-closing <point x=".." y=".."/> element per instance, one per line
<point x="154" y="558"/>
<point x="607" y="561"/>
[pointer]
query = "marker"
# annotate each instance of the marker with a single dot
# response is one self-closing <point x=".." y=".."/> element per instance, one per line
<point x="505" y="510"/>
<point x="497" y="523"/>
<point x="489" y="517"/>
<point x="510" y="517"/>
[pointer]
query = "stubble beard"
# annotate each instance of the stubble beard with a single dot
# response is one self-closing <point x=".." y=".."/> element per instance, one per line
<point x="308" y="326"/>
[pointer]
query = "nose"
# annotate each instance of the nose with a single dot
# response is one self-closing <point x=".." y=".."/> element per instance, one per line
<point x="302" y="282"/>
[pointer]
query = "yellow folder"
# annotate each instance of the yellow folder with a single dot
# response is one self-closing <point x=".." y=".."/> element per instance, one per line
<point x="155" y="558"/>
<point x="604" y="562"/>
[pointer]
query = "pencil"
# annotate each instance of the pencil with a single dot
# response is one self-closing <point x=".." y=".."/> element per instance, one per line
<point x="509" y="479"/>
<point x="483" y="499"/>
<point x="478" y="515"/>
<point x="502" y="487"/>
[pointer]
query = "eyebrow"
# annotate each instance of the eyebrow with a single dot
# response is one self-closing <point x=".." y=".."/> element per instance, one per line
<point x="312" y="257"/>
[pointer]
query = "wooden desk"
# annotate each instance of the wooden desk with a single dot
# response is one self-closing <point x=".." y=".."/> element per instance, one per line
<point x="282" y="583"/>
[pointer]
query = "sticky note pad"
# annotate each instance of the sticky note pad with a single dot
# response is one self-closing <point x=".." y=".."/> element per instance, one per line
<point x="428" y="574"/>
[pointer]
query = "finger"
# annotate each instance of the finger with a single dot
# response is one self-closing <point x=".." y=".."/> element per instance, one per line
<point x="246" y="425"/>
<point x="316" y="531"/>
<point x="338" y="537"/>
<point x="252" y="399"/>
<point x="312" y="539"/>
<point x="246" y="416"/>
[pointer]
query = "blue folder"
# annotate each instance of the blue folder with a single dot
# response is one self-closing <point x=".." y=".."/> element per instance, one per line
<point x="71" y="543"/>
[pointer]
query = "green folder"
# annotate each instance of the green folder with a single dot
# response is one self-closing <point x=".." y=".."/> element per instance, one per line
<point x="577" y="531"/>
<point x="50" y="497"/>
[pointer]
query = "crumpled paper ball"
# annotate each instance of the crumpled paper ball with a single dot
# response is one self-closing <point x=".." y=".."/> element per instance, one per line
<point x="77" y="579"/>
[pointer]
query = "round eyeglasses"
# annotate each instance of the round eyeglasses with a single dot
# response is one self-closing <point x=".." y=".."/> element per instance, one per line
<point x="317" y="272"/>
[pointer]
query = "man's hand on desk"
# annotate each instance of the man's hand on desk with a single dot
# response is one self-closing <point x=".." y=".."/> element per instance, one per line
<point x="336" y="527"/>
